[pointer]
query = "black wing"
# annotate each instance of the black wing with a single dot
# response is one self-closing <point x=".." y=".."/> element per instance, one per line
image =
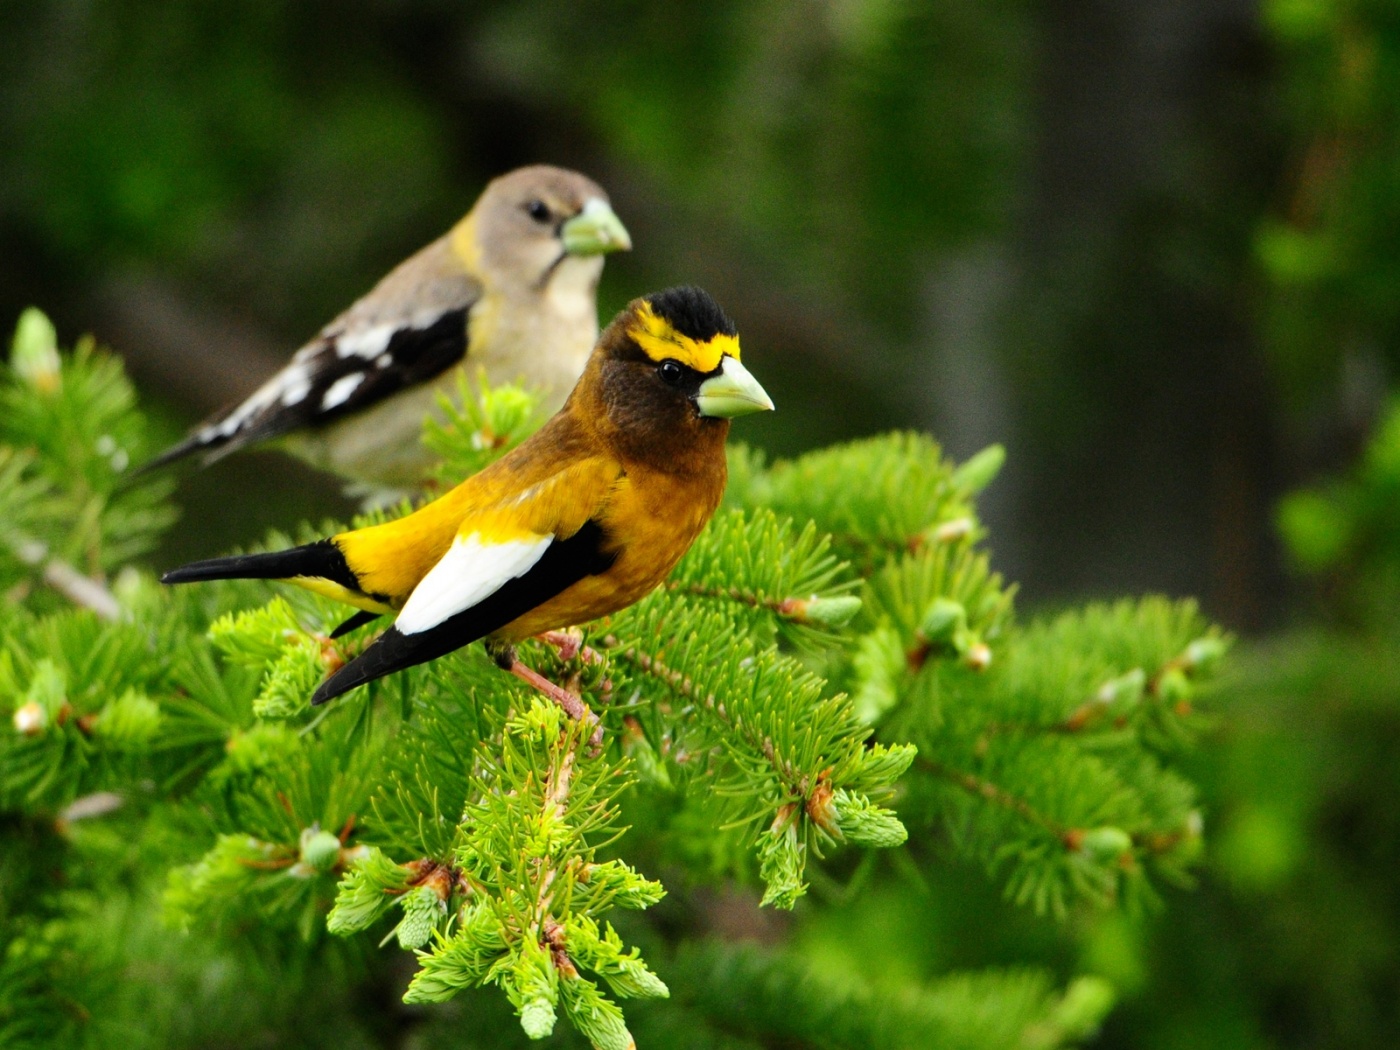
<point x="336" y="376"/>
<point x="562" y="565"/>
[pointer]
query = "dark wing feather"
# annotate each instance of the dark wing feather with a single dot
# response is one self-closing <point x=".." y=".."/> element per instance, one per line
<point x="355" y="623"/>
<point x="326" y="382"/>
<point x="562" y="565"/>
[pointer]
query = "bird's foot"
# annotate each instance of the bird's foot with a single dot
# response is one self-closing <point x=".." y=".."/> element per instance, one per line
<point x="570" y="644"/>
<point x="505" y="657"/>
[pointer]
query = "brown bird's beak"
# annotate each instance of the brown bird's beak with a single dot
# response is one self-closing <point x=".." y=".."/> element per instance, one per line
<point x="734" y="392"/>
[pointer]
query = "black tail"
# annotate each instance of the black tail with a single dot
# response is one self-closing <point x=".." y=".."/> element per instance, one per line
<point x="394" y="651"/>
<point x="208" y="440"/>
<point x="193" y="443"/>
<point x="355" y="623"/>
<point x="321" y="559"/>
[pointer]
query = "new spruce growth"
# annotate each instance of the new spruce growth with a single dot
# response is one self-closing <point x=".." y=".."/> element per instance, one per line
<point x="834" y="668"/>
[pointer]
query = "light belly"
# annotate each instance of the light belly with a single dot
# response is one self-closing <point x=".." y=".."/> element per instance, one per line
<point x="541" y="340"/>
<point x="382" y="444"/>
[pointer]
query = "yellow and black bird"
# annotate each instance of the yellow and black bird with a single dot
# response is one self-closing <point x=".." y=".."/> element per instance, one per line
<point x="511" y="289"/>
<point x="583" y="519"/>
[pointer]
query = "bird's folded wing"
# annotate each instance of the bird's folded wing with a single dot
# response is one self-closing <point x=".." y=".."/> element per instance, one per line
<point x="503" y="562"/>
<point x="510" y="537"/>
<point x="474" y="568"/>
<point x="411" y="328"/>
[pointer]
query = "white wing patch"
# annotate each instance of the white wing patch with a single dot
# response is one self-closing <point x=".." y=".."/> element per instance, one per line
<point x="288" y="386"/>
<point x="339" y="392"/>
<point x="297" y="387"/>
<point x="368" y="343"/>
<point x="471" y="571"/>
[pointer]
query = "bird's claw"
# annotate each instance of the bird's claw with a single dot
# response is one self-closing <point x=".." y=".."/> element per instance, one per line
<point x="570" y="644"/>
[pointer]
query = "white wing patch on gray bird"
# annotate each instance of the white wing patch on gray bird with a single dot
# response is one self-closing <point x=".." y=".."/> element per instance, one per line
<point x="339" y="392"/>
<point x="297" y="386"/>
<point x="369" y="343"/>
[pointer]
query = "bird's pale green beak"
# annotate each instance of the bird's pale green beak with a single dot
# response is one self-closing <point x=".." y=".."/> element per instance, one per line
<point x="734" y="392"/>
<point x="595" y="230"/>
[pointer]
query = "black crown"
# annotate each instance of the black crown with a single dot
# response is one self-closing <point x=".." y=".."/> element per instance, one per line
<point x="692" y="312"/>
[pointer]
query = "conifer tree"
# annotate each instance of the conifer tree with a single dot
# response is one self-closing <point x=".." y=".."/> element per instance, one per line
<point x="833" y="680"/>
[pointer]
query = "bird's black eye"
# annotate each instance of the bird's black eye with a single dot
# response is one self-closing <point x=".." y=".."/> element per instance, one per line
<point x="539" y="211"/>
<point x="670" y="372"/>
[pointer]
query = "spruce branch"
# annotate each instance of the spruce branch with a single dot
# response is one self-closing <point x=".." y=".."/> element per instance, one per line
<point x="876" y="497"/>
<point x="984" y="789"/>
<point x="774" y="995"/>
<point x="539" y="811"/>
<point x="781" y="578"/>
<point x="763" y="709"/>
<point x="779" y="750"/>
<point x="477" y="426"/>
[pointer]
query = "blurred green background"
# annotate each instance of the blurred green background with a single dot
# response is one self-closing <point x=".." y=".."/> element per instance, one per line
<point x="1152" y="247"/>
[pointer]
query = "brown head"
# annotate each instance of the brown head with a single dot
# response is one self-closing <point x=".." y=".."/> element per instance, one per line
<point x="538" y="224"/>
<point x="665" y="380"/>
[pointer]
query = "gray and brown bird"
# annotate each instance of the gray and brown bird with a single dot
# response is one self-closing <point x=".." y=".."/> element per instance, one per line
<point x="511" y="290"/>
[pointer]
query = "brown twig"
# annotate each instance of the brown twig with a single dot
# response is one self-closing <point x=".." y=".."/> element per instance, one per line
<point x="81" y="590"/>
<point x="985" y="789"/>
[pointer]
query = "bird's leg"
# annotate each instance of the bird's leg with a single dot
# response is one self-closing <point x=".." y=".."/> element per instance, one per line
<point x="503" y="653"/>
<point x="570" y="644"/>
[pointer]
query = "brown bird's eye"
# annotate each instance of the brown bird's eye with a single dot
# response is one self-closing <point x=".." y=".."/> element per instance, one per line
<point x="539" y="211"/>
<point x="670" y="372"/>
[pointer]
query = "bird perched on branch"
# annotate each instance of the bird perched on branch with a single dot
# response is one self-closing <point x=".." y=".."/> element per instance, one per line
<point x="581" y="520"/>
<point x="510" y="289"/>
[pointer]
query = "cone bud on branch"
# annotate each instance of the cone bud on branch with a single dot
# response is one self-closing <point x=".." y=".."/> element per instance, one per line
<point x="34" y="352"/>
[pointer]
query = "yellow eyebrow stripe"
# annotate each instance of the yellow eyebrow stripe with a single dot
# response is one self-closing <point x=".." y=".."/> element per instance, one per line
<point x="659" y="340"/>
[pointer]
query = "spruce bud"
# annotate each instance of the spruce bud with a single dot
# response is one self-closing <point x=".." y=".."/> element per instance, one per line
<point x="422" y="908"/>
<point x="863" y="823"/>
<point x="1105" y="843"/>
<point x="978" y="471"/>
<point x="978" y="656"/>
<point x="31" y="719"/>
<point x="954" y="530"/>
<point x="879" y="665"/>
<point x="943" y="621"/>
<point x="596" y="1017"/>
<point x="34" y="352"/>
<point x="883" y="764"/>
<point x="1202" y="655"/>
<point x="1124" y="693"/>
<point x="361" y="896"/>
<point x="1173" y="686"/>
<point x="320" y="850"/>
<point x="626" y="888"/>
<point x="782" y="858"/>
<point x="836" y="611"/>
<point x="534" y="986"/>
